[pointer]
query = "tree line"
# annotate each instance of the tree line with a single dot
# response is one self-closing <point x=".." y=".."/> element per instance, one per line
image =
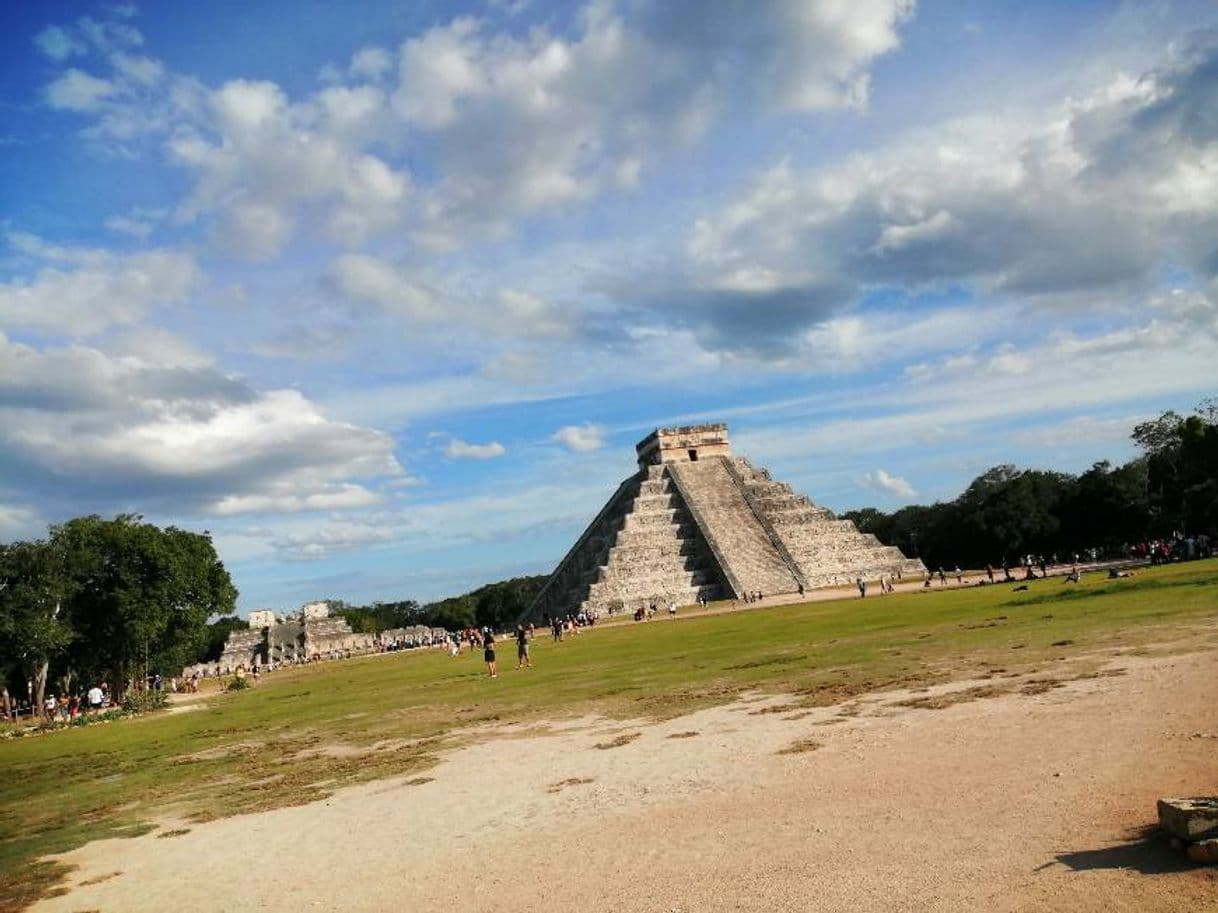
<point x="495" y="605"/>
<point x="106" y="601"/>
<point x="1170" y="490"/>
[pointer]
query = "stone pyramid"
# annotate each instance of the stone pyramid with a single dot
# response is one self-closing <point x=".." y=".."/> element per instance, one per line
<point x="697" y="521"/>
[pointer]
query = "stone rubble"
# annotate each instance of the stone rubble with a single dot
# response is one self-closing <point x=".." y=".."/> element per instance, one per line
<point x="1192" y="824"/>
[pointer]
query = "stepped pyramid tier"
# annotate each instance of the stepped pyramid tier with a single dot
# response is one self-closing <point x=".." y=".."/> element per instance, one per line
<point x="696" y="521"/>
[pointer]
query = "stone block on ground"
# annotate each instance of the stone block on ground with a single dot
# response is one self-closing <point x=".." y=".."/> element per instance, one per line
<point x="1205" y="851"/>
<point x="1190" y="819"/>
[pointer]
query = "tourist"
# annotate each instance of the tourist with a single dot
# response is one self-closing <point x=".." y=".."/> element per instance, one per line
<point x="862" y="585"/>
<point x="522" y="648"/>
<point x="488" y="652"/>
<point x="942" y="577"/>
<point x="989" y="572"/>
<point x="959" y="575"/>
<point x="93" y="698"/>
<point x="672" y="609"/>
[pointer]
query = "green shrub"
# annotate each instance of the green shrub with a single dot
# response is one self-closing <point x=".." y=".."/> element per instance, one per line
<point x="143" y="701"/>
<point x="238" y="683"/>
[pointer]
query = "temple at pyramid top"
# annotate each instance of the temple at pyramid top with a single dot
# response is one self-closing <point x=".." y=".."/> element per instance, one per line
<point x="687" y="443"/>
<point x="696" y="520"/>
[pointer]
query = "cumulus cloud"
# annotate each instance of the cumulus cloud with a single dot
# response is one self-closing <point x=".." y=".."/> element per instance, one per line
<point x="401" y="291"/>
<point x="93" y="427"/>
<point x="512" y="124"/>
<point x="76" y="90"/>
<point x="1078" y="208"/>
<point x="530" y="123"/>
<point x="57" y="44"/>
<point x="893" y="485"/>
<point x="581" y="438"/>
<point x="82" y="291"/>
<point x="458" y="449"/>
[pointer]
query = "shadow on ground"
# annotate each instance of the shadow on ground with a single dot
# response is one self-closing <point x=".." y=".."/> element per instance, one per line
<point x="1145" y="850"/>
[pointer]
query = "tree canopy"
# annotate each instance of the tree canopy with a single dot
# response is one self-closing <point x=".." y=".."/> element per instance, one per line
<point x="1170" y="489"/>
<point x="108" y="600"/>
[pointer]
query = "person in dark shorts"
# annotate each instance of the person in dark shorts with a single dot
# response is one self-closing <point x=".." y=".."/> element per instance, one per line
<point x="488" y="652"/>
<point x="522" y="648"/>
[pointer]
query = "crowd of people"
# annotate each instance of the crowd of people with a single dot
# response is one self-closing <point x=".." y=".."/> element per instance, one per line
<point x="64" y="707"/>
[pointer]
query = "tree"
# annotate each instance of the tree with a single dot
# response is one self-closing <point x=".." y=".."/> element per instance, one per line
<point x="140" y="595"/>
<point x="34" y="628"/>
<point x="1181" y="481"/>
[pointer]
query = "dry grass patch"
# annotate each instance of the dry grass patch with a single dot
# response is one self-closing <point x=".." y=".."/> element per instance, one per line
<point x="34" y="882"/>
<point x="801" y="746"/>
<point x="683" y="735"/>
<point x="618" y="741"/>
<point x="99" y="879"/>
<point x="570" y="781"/>
<point x="176" y="832"/>
<point x="949" y="698"/>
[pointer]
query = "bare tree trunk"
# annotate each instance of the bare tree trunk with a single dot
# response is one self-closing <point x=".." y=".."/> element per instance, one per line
<point x="40" y="685"/>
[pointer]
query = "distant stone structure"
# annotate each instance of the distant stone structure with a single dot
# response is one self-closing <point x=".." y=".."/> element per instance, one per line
<point x="696" y="521"/>
<point x="261" y="618"/>
<point x="307" y="634"/>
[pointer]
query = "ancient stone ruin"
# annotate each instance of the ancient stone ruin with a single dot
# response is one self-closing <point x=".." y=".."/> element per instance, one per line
<point x="308" y="634"/>
<point x="696" y="521"/>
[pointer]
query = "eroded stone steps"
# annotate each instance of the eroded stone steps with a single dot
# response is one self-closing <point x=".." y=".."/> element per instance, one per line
<point x="737" y="540"/>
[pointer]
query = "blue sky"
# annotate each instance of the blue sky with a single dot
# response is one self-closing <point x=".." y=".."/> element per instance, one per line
<point x="383" y="294"/>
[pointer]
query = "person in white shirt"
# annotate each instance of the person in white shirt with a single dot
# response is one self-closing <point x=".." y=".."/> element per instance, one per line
<point x="94" y="697"/>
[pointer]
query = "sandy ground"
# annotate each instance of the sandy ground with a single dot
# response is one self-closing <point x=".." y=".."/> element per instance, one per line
<point x="1021" y="802"/>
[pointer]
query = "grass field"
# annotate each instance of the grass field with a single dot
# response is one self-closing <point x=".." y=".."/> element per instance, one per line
<point x="304" y="732"/>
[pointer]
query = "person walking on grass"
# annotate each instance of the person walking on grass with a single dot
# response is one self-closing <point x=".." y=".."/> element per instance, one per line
<point x="862" y="585"/>
<point x="522" y="648"/>
<point x="488" y="652"/>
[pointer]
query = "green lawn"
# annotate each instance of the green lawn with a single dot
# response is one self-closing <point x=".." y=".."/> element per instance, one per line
<point x="274" y="745"/>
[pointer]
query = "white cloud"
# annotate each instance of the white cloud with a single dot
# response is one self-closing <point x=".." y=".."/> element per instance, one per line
<point x="98" y="289"/>
<point x="1083" y="430"/>
<point x="581" y="438"/>
<point x="144" y="71"/>
<point x="337" y="497"/>
<point x="367" y="278"/>
<point x="894" y="486"/>
<point x="76" y="90"/>
<point x="396" y="290"/>
<point x="332" y="538"/>
<point x="512" y="124"/>
<point x="137" y="222"/>
<point x="371" y="63"/>
<point x="89" y="427"/>
<point x="1078" y="207"/>
<point x="18" y="521"/>
<point x="57" y="44"/>
<point x="458" y="449"/>
<point x="967" y="395"/>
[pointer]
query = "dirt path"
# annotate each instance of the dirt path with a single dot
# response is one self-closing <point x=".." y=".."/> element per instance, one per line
<point x="1026" y="801"/>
